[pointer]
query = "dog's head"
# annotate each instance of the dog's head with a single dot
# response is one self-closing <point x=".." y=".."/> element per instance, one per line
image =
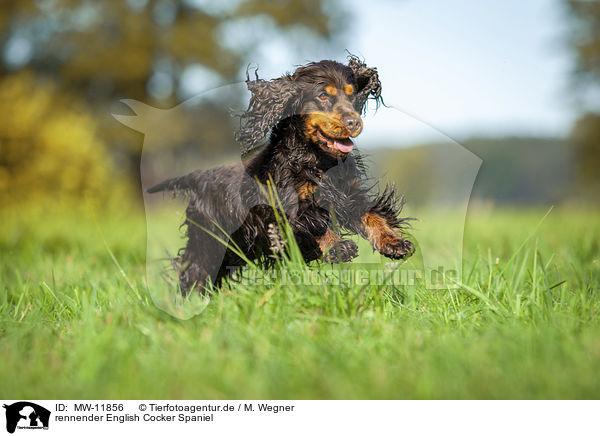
<point x="328" y="97"/>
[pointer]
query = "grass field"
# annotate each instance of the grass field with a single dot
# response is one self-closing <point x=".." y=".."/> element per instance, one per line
<point x="76" y="320"/>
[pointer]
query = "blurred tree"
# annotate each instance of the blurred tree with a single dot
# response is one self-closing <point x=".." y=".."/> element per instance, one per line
<point x="102" y="51"/>
<point x="586" y="138"/>
<point x="585" y="38"/>
<point x="48" y="147"/>
<point x="585" y="41"/>
<point x="129" y="48"/>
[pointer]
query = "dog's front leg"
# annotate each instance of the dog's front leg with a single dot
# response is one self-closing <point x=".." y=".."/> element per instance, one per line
<point x="384" y="238"/>
<point x="316" y="239"/>
<point x="335" y="249"/>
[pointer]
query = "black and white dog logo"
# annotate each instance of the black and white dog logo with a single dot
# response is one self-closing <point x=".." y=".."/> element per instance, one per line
<point x="26" y="415"/>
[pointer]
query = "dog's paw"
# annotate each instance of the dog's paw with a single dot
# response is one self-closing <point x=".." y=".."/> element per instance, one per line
<point x="396" y="248"/>
<point x="343" y="251"/>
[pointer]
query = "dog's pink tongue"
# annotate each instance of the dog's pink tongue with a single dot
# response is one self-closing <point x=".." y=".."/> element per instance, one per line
<point x="343" y="145"/>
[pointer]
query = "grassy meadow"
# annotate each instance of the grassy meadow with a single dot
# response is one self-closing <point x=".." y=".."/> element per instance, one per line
<point x="77" y="319"/>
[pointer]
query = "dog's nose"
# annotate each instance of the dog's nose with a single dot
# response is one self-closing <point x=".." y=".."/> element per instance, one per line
<point x="353" y="124"/>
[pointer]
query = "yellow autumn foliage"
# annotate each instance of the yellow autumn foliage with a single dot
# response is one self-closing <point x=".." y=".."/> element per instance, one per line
<point x="49" y="150"/>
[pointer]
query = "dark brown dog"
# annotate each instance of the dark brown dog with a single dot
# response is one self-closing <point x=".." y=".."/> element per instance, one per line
<point x="310" y="117"/>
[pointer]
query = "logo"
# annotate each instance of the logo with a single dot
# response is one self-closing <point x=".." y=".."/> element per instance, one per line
<point x="26" y="415"/>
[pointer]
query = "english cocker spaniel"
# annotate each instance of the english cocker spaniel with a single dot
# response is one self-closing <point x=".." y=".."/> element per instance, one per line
<point x="309" y="118"/>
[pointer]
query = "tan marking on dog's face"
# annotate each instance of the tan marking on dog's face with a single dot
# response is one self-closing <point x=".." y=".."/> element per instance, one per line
<point x="349" y="89"/>
<point x="331" y="90"/>
<point x="329" y="123"/>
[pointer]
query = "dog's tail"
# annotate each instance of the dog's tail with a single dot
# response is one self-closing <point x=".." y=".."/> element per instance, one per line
<point x="183" y="183"/>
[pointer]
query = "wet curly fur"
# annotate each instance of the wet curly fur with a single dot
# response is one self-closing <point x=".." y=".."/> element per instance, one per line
<point x="307" y="119"/>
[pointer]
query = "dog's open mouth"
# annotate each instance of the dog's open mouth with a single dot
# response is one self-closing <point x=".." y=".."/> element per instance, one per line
<point x="344" y="145"/>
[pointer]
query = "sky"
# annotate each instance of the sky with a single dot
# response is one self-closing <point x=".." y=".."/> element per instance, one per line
<point x="457" y="68"/>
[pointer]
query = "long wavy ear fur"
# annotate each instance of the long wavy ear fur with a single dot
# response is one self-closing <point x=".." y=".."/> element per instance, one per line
<point x="271" y="102"/>
<point x="368" y="84"/>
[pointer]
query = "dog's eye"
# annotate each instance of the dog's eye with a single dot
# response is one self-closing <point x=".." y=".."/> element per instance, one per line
<point x="323" y="96"/>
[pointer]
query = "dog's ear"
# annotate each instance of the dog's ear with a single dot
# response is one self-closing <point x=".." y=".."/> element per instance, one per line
<point x="367" y="82"/>
<point x="271" y="102"/>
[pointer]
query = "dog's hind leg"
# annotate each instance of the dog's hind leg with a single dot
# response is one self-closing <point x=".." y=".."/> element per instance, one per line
<point x="200" y="261"/>
<point x="191" y="277"/>
<point x="231" y="262"/>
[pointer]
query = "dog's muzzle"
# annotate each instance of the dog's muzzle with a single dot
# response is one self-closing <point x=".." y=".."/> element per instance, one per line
<point x="353" y="124"/>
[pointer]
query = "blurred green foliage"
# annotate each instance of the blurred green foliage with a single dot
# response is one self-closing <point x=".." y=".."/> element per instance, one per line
<point x="585" y="37"/>
<point x="65" y="64"/>
<point x="113" y="48"/>
<point x="48" y="145"/>
<point x="514" y="170"/>
<point x="585" y="41"/>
